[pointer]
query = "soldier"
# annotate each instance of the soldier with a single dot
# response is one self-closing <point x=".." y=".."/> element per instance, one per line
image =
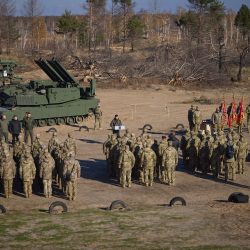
<point x="35" y="149"/>
<point x="148" y="163"/>
<point x="18" y="151"/>
<point x="53" y="143"/>
<point x="217" y="120"/>
<point x="169" y="163"/>
<point x="28" y="125"/>
<point x="70" y="144"/>
<point x="27" y="173"/>
<point x="71" y="172"/>
<point x="183" y="146"/>
<point x="204" y="158"/>
<point x="162" y="147"/>
<point x="197" y="118"/>
<point x="229" y="160"/>
<point x="137" y="171"/>
<point x="175" y="141"/>
<point x="46" y="170"/>
<point x="4" y="128"/>
<point x="248" y="117"/>
<point x="192" y="156"/>
<point x="131" y="142"/>
<point x="7" y="172"/>
<point x="242" y="153"/>
<point x="190" y="118"/>
<point x="216" y="155"/>
<point x="126" y="162"/>
<point x="98" y="117"/>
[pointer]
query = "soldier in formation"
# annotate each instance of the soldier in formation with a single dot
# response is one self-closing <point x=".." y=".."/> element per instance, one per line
<point x="40" y="164"/>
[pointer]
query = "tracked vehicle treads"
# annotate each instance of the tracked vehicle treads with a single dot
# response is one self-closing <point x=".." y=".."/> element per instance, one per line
<point x="60" y="100"/>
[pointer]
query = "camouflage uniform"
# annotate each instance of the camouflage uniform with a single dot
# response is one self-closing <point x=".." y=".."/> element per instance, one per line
<point x="241" y="155"/>
<point x="217" y="120"/>
<point x="148" y="163"/>
<point x="98" y="118"/>
<point x="204" y="157"/>
<point x="27" y="173"/>
<point x="137" y="171"/>
<point x="70" y="144"/>
<point x="169" y="163"/>
<point x="162" y="147"/>
<point x="7" y="173"/>
<point x="46" y="169"/>
<point x="53" y="143"/>
<point x="71" y="172"/>
<point x="197" y="118"/>
<point x="183" y="146"/>
<point x="229" y="162"/>
<point x="192" y="156"/>
<point x="107" y="150"/>
<point x="126" y="162"/>
<point x="216" y="155"/>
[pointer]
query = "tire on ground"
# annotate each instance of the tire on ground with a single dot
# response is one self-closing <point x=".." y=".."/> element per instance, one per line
<point x="238" y="198"/>
<point x="147" y="126"/>
<point x="58" y="204"/>
<point x="118" y="204"/>
<point x="52" y="130"/>
<point x="179" y="126"/>
<point x="2" y="209"/>
<point x="177" y="199"/>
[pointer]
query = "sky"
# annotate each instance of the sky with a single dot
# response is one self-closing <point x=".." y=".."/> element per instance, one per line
<point x="57" y="7"/>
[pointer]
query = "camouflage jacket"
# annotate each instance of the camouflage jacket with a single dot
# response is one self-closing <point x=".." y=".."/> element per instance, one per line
<point x="72" y="170"/>
<point x="47" y="167"/>
<point x="170" y="157"/>
<point x="126" y="159"/>
<point x="148" y="158"/>
<point x="27" y="169"/>
<point x="8" y="169"/>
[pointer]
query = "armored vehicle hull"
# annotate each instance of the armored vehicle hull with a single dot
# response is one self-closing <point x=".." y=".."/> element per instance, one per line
<point x="59" y="101"/>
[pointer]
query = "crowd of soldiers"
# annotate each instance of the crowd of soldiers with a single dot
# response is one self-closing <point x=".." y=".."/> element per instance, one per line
<point x="141" y="158"/>
<point x="41" y="164"/>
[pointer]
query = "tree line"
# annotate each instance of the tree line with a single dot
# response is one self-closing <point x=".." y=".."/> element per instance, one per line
<point x="191" y="45"/>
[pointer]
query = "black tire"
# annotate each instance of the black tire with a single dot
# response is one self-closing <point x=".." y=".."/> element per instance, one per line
<point x="85" y="127"/>
<point x="118" y="205"/>
<point x="238" y="198"/>
<point x="177" y="199"/>
<point x="2" y="209"/>
<point x="52" y="130"/>
<point x="58" y="204"/>
<point x="179" y="126"/>
<point x="147" y="126"/>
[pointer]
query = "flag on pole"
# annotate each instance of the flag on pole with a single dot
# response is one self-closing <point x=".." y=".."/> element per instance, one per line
<point x="232" y="113"/>
<point x="224" y="111"/>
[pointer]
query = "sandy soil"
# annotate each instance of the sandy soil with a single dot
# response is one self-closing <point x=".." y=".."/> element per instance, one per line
<point x="163" y="109"/>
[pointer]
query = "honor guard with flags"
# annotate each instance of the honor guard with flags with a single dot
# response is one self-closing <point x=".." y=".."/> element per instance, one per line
<point x="240" y="116"/>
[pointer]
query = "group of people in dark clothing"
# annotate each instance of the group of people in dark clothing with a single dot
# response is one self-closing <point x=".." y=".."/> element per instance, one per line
<point x="14" y="127"/>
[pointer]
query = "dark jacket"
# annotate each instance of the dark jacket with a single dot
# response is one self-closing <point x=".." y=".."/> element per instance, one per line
<point x="15" y="127"/>
<point x="175" y="141"/>
<point x="28" y="123"/>
<point x="115" y="122"/>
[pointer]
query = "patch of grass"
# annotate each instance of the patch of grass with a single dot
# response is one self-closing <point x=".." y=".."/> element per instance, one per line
<point x="214" y="247"/>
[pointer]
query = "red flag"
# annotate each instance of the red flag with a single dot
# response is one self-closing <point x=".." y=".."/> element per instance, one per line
<point x="232" y="116"/>
<point x="240" y="116"/>
<point x="224" y="111"/>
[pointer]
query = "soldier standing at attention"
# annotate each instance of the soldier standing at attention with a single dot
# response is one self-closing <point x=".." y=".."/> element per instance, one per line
<point x="27" y="173"/>
<point x="229" y="160"/>
<point x="190" y="118"/>
<point x="115" y="122"/>
<point x="28" y="125"/>
<point x="126" y="162"/>
<point x="148" y="163"/>
<point x="169" y="163"/>
<point x="197" y="118"/>
<point x="242" y="154"/>
<point x="71" y="172"/>
<point x="7" y="172"/>
<point x="98" y="117"/>
<point x="46" y="170"/>
<point x="248" y="117"/>
<point x="4" y="128"/>
<point x="70" y="144"/>
<point x="217" y="120"/>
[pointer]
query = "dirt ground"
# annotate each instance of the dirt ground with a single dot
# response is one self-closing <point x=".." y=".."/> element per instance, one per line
<point x="224" y="224"/>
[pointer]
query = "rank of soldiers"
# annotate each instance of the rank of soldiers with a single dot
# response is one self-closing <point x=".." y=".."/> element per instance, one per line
<point x="40" y="164"/>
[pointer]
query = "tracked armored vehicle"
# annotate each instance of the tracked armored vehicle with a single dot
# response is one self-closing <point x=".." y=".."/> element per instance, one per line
<point x="60" y="100"/>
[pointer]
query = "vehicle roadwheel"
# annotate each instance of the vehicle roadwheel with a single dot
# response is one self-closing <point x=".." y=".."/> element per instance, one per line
<point x="42" y="123"/>
<point x="238" y="198"/>
<point x="118" y="205"/>
<point x="70" y="120"/>
<point x="177" y="199"/>
<point x="147" y="127"/>
<point x="79" y="119"/>
<point x="58" y="207"/>
<point x="51" y="122"/>
<point x="60" y="121"/>
<point x="2" y="209"/>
